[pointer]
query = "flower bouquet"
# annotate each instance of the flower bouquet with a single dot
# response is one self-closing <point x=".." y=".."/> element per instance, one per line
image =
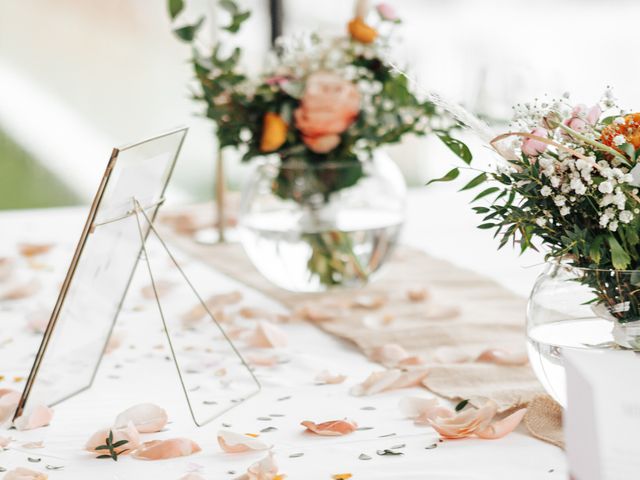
<point x="570" y="185"/>
<point x="320" y="110"/>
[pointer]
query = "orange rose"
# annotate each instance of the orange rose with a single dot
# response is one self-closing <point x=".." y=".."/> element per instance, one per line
<point x="362" y="32"/>
<point x="274" y="132"/>
<point x="630" y="130"/>
<point x="330" y="104"/>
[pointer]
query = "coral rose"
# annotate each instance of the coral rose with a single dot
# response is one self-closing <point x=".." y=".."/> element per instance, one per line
<point x="274" y="132"/>
<point x="362" y="32"/>
<point x="330" y="104"/>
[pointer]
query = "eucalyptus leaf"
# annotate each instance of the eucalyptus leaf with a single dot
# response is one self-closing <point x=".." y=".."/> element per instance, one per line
<point x="457" y="147"/>
<point x="448" y="177"/>
<point x="478" y="180"/>
<point x="175" y="7"/>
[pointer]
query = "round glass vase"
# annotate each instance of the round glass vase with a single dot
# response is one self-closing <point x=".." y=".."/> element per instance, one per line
<point x="309" y="228"/>
<point x="579" y="308"/>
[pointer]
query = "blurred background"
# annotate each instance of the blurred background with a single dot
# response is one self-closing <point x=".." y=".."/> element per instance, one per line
<point x="78" y="77"/>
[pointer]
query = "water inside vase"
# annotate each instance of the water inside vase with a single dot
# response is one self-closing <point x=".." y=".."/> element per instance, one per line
<point x="546" y="344"/>
<point x="300" y="256"/>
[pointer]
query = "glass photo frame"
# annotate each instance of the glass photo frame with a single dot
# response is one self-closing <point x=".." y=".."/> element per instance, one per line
<point x="92" y="295"/>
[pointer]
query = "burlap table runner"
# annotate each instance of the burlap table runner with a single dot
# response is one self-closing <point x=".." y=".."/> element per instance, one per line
<point x="465" y="314"/>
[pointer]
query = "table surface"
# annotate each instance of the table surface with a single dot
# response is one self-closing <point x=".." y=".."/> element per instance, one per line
<point x="125" y="379"/>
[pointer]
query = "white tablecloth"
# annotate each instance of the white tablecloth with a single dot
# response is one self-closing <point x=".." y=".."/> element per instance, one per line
<point x="124" y="379"/>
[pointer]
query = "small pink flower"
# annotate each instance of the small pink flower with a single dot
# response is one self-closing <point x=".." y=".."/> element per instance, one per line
<point x="581" y="116"/>
<point x="387" y="12"/>
<point x="533" y="147"/>
<point x="277" y="80"/>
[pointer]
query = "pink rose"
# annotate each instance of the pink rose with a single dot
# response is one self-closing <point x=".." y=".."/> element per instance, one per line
<point x="581" y="117"/>
<point x="330" y="104"/>
<point x="387" y="12"/>
<point x="533" y="147"/>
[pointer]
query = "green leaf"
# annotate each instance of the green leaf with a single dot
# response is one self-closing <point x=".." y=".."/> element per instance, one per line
<point x="188" y="32"/>
<point x="448" y="177"/>
<point x="457" y="147"/>
<point x="594" y="249"/>
<point x="237" y="21"/>
<point x="484" y="193"/>
<point x="103" y="447"/>
<point x="103" y="456"/>
<point x="619" y="257"/>
<point x="120" y="443"/>
<point x="486" y="226"/>
<point x="229" y="5"/>
<point x="462" y="404"/>
<point x="175" y="7"/>
<point x="479" y="180"/>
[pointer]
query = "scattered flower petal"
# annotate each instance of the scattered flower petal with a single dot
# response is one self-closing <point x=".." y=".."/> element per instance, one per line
<point x="6" y="268"/>
<point x="332" y="428"/>
<point x="114" y="343"/>
<point x="5" y="441"/>
<point x="215" y="302"/>
<point x="9" y="400"/>
<point x="261" y="360"/>
<point x="341" y="476"/>
<point x="39" y="416"/>
<point x="146" y="417"/>
<point x="22" y="473"/>
<point x="232" y="442"/>
<point x="393" y="355"/>
<point x="503" y="427"/>
<point x="421" y="410"/>
<point x="32" y="445"/>
<point x="20" y="291"/>
<point x="162" y="449"/>
<point x="389" y="380"/>
<point x="33" y="249"/>
<point x="38" y="320"/>
<point x="503" y="357"/>
<point x="128" y="433"/>
<point x="417" y="294"/>
<point x="369" y="302"/>
<point x="329" y="378"/>
<point x="162" y="287"/>
<point x="265" y="469"/>
<point x="267" y="335"/>
<point x="466" y="422"/>
<point x="192" y="476"/>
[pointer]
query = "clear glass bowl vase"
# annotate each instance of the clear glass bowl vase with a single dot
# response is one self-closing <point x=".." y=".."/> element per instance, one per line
<point x="579" y="308"/>
<point x="308" y="228"/>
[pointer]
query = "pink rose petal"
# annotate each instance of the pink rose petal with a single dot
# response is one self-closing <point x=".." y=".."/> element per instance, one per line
<point x="369" y="302"/>
<point x="328" y="378"/>
<point x="5" y="441"/>
<point x="22" y="473"/>
<point x="20" y="291"/>
<point x="128" y="433"/>
<point x="232" y="442"/>
<point x="417" y="294"/>
<point x="389" y="354"/>
<point x="267" y="335"/>
<point x="163" y="449"/>
<point x="333" y="428"/>
<point x="502" y="357"/>
<point x="421" y="410"/>
<point x="6" y="268"/>
<point x="389" y="380"/>
<point x="265" y="469"/>
<point x="213" y="303"/>
<point x="261" y="360"/>
<point x="502" y="427"/>
<point x="9" y="400"/>
<point x="114" y="343"/>
<point x="146" y="417"/>
<point x="39" y="416"/>
<point x="465" y="423"/>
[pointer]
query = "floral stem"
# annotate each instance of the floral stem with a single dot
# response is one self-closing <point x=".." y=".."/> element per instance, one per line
<point x="593" y="143"/>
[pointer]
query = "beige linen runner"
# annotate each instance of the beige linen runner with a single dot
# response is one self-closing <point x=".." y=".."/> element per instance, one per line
<point x="464" y="314"/>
